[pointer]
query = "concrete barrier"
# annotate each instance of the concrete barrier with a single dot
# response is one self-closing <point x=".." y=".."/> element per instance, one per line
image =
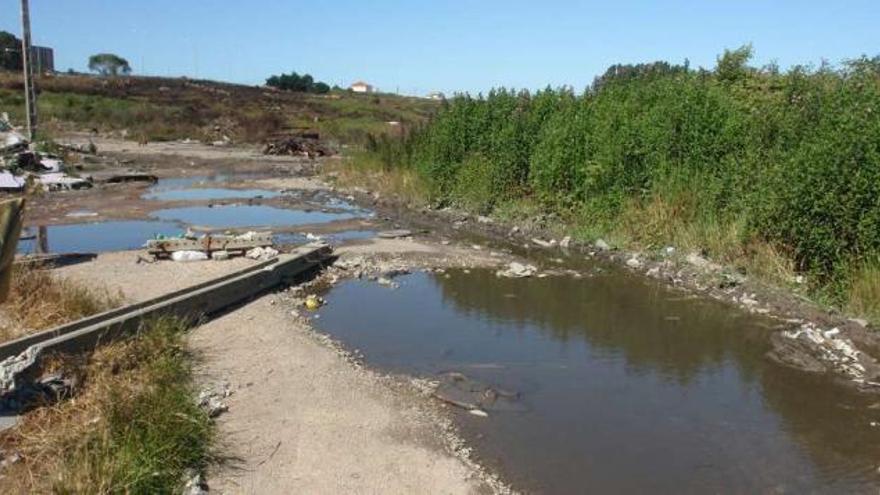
<point x="21" y="357"/>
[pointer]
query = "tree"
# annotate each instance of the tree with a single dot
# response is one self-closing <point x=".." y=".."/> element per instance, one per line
<point x="294" y="82"/>
<point x="10" y="51"/>
<point x="628" y="72"/>
<point x="733" y="64"/>
<point x="109" y="64"/>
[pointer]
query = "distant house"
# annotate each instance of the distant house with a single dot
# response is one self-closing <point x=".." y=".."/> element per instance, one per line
<point x="436" y="95"/>
<point x="361" y="87"/>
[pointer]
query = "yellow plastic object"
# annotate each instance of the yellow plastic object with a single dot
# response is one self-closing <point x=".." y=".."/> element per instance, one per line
<point x="312" y="303"/>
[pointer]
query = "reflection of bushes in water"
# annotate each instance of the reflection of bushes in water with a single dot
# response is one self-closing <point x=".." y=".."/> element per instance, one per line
<point x="616" y="314"/>
<point x="827" y="419"/>
<point x="789" y="159"/>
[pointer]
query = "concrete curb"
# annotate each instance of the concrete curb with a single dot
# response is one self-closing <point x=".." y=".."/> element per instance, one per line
<point x="21" y="357"/>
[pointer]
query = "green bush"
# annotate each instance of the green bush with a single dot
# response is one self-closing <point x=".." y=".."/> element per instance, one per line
<point x="793" y="157"/>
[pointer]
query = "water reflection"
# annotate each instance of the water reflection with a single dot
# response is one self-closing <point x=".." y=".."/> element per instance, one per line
<point x="628" y="387"/>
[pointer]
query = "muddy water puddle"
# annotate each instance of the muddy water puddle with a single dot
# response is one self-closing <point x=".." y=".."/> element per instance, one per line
<point x="206" y="193"/>
<point x="240" y="210"/>
<point x="624" y="386"/>
<point x="236" y="216"/>
<point x="99" y="237"/>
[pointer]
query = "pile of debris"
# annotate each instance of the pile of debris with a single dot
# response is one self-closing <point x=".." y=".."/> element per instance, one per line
<point x="305" y="144"/>
<point x="188" y="247"/>
<point x="19" y="165"/>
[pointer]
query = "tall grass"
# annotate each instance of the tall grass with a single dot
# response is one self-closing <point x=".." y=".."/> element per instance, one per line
<point x="38" y="300"/>
<point x="132" y="428"/>
<point x="755" y="166"/>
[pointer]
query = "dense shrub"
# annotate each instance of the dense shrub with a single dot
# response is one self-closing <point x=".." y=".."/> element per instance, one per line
<point x="795" y="157"/>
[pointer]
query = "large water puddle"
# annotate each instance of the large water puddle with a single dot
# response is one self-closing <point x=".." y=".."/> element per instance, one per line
<point x="207" y="193"/>
<point x="99" y="237"/>
<point x="256" y="216"/>
<point x="626" y="387"/>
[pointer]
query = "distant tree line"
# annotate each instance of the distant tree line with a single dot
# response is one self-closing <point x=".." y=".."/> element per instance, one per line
<point x="294" y="82"/>
<point x="10" y="51"/>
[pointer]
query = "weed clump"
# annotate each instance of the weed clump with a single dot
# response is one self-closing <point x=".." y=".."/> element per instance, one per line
<point x="133" y="426"/>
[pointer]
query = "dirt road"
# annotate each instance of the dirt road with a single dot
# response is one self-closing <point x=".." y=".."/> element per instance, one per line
<point x="303" y="417"/>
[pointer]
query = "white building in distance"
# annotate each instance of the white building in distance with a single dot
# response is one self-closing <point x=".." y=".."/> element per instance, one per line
<point x="362" y="87"/>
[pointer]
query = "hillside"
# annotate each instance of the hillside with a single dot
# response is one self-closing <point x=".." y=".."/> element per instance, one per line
<point x="154" y="108"/>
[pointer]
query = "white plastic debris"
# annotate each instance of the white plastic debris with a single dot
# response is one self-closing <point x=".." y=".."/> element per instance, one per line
<point x="188" y="256"/>
<point x="9" y="182"/>
<point x="262" y="253"/>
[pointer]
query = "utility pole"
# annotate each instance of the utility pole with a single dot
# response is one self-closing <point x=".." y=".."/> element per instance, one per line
<point x="30" y="95"/>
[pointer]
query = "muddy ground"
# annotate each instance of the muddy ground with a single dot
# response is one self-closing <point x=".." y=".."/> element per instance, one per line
<point x="304" y="415"/>
<point x="284" y="415"/>
<point x="800" y="343"/>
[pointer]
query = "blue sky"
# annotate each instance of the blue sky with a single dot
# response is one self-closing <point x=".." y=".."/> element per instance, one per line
<point x="416" y="47"/>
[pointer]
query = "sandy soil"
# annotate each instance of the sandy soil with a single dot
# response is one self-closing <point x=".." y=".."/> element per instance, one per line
<point x="139" y="281"/>
<point x="303" y="417"/>
<point x="302" y="420"/>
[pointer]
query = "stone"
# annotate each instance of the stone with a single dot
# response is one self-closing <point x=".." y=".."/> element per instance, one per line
<point x="394" y="234"/>
<point x="546" y="244"/>
<point x="860" y="322"/>
<point x="601" y="245"/>
<point x="220" y="255"/>
<point x="634" y="263"/>
<point x="517" y="270"/>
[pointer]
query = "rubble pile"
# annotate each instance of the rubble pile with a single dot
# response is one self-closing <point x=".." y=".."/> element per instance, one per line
<point x="306" y="144"/>
<point x="19" y="165"/>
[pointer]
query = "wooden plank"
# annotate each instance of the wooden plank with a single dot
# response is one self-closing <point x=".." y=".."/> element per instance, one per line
<point x="208" y="243"/>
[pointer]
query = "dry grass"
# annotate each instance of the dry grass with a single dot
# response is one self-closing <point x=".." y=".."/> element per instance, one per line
<point x="132" y="427"/>
<point x="39" y="300"/>
<point x="863" y="297"/>
<point x="365" y="172"/>
<point x="662" y="221"/>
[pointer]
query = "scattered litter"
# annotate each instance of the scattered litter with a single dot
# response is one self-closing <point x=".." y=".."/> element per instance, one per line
<point x="262" y="253"/>
<point x="479" y="412"/>
<point x="212" y="402"/>
<point x="188" y="256"/>
<point x="82" y="214"/>
<point x="9" y="182"/>
<point x="546" y="244"/>
<point x="313" y="302"/>
<point x="306" y="144"/>
<point x="193" y="483"/>
<point x="831" y="348"/>
<point x="565" y="243"/>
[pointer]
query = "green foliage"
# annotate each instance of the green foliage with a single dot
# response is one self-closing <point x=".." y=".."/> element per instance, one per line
<point x="10" y="51"/>
<point x="792" y="159"/>
<point x="294" y="82"/>
<point x="109" y="64"/>
<point x="152" y="430"/>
